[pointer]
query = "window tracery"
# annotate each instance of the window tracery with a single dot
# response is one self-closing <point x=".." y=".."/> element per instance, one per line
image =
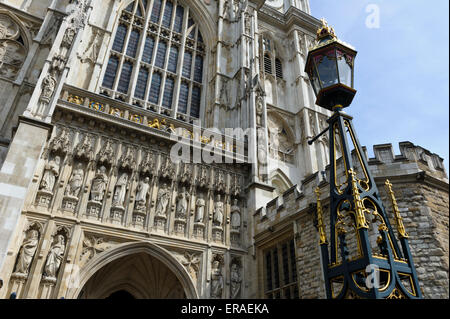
<point x="13" y="47"/>
<point x="156" y="59"/>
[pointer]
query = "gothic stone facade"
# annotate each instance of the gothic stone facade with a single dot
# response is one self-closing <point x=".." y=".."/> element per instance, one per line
<point x="92" y="94"/>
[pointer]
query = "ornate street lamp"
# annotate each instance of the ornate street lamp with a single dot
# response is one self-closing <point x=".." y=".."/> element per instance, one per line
<point x="363" y="258"/>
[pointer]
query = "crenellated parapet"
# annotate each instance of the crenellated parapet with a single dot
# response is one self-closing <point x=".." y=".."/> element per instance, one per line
<point x="412" y="159"/>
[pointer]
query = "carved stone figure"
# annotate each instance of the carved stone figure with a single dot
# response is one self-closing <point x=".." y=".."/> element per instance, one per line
<point x="182" y="204"/>
<point x="235" y="215"/>
<point x="51" y="172"/>
<point x="216" y="280"/>
<point x="200" y="203"/>
<point x="27" y="251"/>
<point x="48" y="87"/>
<point x="235" y="281"/>
<point x="55" y="257"/>
<point x="141" y="195"/>
<point x="99" y="184"/>
<point x="76" y="181"/>
<point x="121" y="189"/>
<point x="259" y="110"/>
<point x="163" y="200"/>
<point x="218" y="212"/>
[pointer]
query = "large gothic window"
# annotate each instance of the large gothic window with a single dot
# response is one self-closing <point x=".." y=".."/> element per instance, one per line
<point x="156" y="59"/>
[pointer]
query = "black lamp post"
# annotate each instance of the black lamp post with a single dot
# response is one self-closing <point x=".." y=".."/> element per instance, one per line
<point x="363" y="258"/>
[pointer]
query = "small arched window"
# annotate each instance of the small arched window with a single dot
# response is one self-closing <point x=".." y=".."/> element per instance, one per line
<point x="267" y="64"/>
<point x="271" y="62"/>
<point x="156" y="59"/>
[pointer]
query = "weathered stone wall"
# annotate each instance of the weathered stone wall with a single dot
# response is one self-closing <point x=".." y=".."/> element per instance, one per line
<point x="420" y="185"/>
<point x="424" y="209"/>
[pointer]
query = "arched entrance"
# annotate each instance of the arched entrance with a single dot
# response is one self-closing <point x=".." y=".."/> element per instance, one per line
<point x="135" y="270"/>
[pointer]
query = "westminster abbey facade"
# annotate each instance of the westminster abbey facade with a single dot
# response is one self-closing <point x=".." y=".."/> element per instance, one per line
<point x="98" y="97"/>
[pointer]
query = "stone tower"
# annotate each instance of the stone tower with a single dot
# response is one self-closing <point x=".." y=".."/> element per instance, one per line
<point x="98" y="99"/>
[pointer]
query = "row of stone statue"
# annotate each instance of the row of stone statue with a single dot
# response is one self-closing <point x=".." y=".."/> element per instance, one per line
<point x="99" y="185"/>
<point x="28" y="250"/>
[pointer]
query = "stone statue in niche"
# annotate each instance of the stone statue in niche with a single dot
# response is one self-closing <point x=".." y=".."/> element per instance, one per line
<point x="235" y="281"/>
<point x="141" y="195"/>
<point x="163" y="200"/>
<point x="48" y="87"/>
<point x="200" y="203"/>
<point x="259" y="110"/>
<point x="182" y="204"/>
<point x="216" y="280"/>
<point x="55" y="257"/>
<point x="27" y="251"/>
<point x="76" y="181"/>
<point x="51" y="172"/>
<point x="235" y="215"/>
<point x="99" y="184"/>
<point x="120" y="190"/>
<point x="218" y="212"/>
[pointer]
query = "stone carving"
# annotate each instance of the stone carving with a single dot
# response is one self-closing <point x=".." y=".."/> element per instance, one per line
<point x="93" y="246"/>
<point x="235" y="216"/>
<point x="259" y="110"/>
<point x="61" y="142"/>
<point x="192" y="263"/>
<point x="91" y="53"/>
<point x="262" y="153"/>
<point x="216" y="278"/>
<point x="76" y="181"/>
<point x="218" y="212"/>
<point x="120" y="190"/>
<point x="12" y="56"/>
<point x="148" y="164"/>
<point x="182" y="204"/>
<point x="280" y="145"/>
<point x="48" y="87"/>
<point x="162" y="200"/>
<point x="167" y="168"/>
<point x="141" y="195"/>
<point x="186" y="175"/>
<point x="99" y="184"/>
<point x="8" y="28"/>
<point x="51" y="172"/>
<point x="12" y="52"/>
<point x="55" y="257"/>
<point x="127" y="159"/>
<point x="220" y="181"/>
<point x="235" y="186"/>
<point x="77" y="13"/>
<point x="84" y="149"/>
<point x="106" y="153"/>
<point x="27" y="252"/>
<point x="235" y="287"/>
<point x="200" y="212"/>
<point x="202" y="179"/>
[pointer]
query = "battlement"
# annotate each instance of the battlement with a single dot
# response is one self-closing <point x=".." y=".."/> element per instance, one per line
<point x="412" y="158"/>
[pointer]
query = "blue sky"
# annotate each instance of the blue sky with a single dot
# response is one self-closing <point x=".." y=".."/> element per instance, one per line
<point x="402" y="70"/>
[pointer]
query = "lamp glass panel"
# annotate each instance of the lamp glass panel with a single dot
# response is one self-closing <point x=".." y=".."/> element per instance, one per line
<point x="326" y="65"/>
<point x="345" y="67"/>
<point x="314" y="80"/>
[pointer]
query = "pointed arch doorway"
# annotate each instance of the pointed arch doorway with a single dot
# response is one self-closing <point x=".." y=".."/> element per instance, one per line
<point x="135" y="270"/>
